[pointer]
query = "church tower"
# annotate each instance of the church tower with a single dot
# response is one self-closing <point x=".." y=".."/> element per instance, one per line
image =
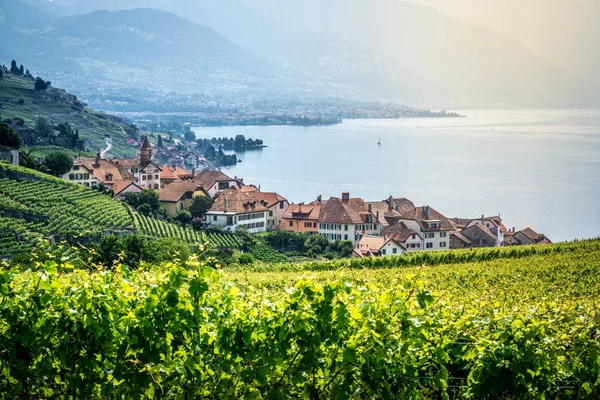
<point x="145" y="152"/>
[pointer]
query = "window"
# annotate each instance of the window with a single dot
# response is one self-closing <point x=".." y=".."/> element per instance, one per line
<point x="156" y="186"/>
<point x="214" y="217"/>
<point x="291" y="223"/>
<point x="180" y="206"/>
<point x="155" y="176"/>
<point x="345" y="227"/>
<point x="76" y="168"/>
<point x="143" y="177"/>
<point x="345" y="237"/>
<point x="315" y="224"/>
<point x="86" y="176"/>
<point x="442" y="244"/>
<point x="429" y="245"/>
<point x="443" y="234"/>
<point x="223" y="185"/>
<point x="271" y="213"/>
<point x="86" y="184"/>
<point x="394" y="250"/>
<point x="71" y="177"/>
<point x="308" y="224"/>
<point x="281" y="205"/>
<point x="429" y="235"/>
<point x="384" y="251"/>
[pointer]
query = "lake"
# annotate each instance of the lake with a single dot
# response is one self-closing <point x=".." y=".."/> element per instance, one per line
<point x="538" y="168"/>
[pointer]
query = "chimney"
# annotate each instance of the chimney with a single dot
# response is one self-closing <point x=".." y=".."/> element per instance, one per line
<point x="513" y="229"/>
<point x="377" y="215"/>
<point x="426" y="212"/>
<point x="225" y="206"/>
<point x="370" y="208"/>
<point x="319" y="198"/>
<point x="345" y="197"/>
<point x="482" y="217"/>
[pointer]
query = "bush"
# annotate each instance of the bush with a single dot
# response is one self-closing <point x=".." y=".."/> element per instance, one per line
<point x="246" y="259"/>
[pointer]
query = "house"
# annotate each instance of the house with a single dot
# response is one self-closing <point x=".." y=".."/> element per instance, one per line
<point x="459" y="241"/>
<point x="390" y="210"/>
<point x="143" y="169"/>
<point x="529" y="236"/>
<point x="120" y="188"/>
<point x="276" y="205"/>
<point x="104" y="171"/>
<point x="347" y="219"/>
<point x="9" y="155"/>
<point x="178" y="196"/>
<point x="480" y="236"/>
<point x="494" y="224"/>
<point x="434" y="227"/>
<point x="408" y="238"/>
<point x="234" y="209"/>
<point x="302" y="218"/>
<point x="215" y="181"/>
<point x="378" y="246"/>
<point x="79" y="173"/>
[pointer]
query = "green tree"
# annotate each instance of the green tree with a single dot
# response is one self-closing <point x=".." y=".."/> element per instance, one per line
<point x="14" y="69"/>
<point x="8" y="137"/>
<point x="108" y="251"/>
<point x="40" y="84"/>
<point x="200" y="206"/>
<point x="145" y="209"/>
<point x="189" y="136"/>
<point x="240" y="141"/>
<point x="210" y="153"/>
<point x="58" y="163"/>
<point x="21" y="70"/>
<point x="183" y="217"/>
<point x="159" y="144"/>
<point x="146" y="196"/>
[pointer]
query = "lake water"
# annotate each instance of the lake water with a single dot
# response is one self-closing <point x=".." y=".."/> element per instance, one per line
<point x="538" y="168"/>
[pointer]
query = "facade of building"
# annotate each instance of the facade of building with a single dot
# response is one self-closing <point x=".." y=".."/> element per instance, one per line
<point x="408" y="238"/>
<point x="276" y="204"/>
<point x="79" y="173"/>
<point x="347" y="218"/>
<point x="302" y="218"/>
<point x="10" y="155"/>
<point x="234" y="209"/>
<point x="480" y="236"/>
<point x="378" y="246"/>
<point x="434" y="227"/>
<point x="121" y="188"/>
<point x="178" y="196"/>
<point x="529" y="236"/>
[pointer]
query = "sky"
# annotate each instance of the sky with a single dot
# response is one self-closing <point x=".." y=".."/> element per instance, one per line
<point x="566" y="32"/>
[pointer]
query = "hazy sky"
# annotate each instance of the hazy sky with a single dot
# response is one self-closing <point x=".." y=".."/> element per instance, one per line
<point x="567" y="32"/>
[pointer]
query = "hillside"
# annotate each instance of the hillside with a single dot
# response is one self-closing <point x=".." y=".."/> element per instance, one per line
<point x="19" y="99"/>
<point x="525" y="325"/>
<point x="36" y="206"/>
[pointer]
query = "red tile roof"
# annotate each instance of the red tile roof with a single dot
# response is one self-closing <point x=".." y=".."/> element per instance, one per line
<point x="400" y="232"/>
<point x="119" y="186"/>
<point x="426" y="213"/>
<point x="175" y="191"/>
<point x="208" y="179"/>
<point x="353" y="211"/>
<point x="267" y="199"/>
<point x="310" y="211"/>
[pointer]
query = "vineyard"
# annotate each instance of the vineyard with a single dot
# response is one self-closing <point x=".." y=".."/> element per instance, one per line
<point x="524" y="326"/>
<point x="156" y="228"/>
<point x="36" y="205"/>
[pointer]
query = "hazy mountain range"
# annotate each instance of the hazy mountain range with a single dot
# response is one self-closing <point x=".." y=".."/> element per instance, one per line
<point x="257" y="49"/>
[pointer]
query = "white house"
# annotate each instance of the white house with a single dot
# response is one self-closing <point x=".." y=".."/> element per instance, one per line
<point x="215" y="182"/>
<point x="379" y="246"/>
<point x="410" y="239"/>
<point x="233" y="209"/>
<point x="432" y="226"/>
<point x="79" y="173"/>
<point x="276" y="205"/>
<point x="347" y="219"/>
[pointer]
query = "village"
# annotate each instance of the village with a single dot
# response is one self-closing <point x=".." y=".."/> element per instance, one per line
<point x="392" y="226"/>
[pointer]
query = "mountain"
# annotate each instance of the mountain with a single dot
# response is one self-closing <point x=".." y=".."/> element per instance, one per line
<point x="384" y="49"/>
<point x="22" y="106"/>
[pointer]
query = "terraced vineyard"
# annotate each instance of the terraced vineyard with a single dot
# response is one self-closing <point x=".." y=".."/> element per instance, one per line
<point x="524" y="326"/>
<point x="36" y="205"/>
<point x="156" y="228"/>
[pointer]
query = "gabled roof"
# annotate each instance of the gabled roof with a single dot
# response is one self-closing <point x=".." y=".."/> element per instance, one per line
<point x="127" y="162"/>
<point x="249" y="188"/>
<point x="267" y="199"/>
<point x="208" y="179"/>
<point x="534" y="236"/>
<point x="352" y="211"/>
<point x="400" y="232"/>
<point x="119" y="186"/>
<point x="103" y="169"/>
<point x="481" y="228"/>
<point x="461" y="237"/>
<point x="234" y="201"/>
<point x="175" y="191"/>
<point x="460" y="223"/>
<point x="375" y="243"/>
<point x="426" y="213"/>
<point x="303" y="211"/>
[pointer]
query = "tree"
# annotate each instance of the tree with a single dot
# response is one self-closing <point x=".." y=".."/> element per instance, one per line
<point x="58" y="163"/>
<point x="183" y="217"/>
<point x="159" y="144"/>
<point x="200" y="206"/>
<point x="145" y="209"/>
<point x="21" y="70"/>
<point x="240" y="141"/>
<point x="8" y="137"/>
<point x="1" y="73"/>
<point x="146" y="196"/>
<point x="13" y="68"/>
<point x="189" y="136"/>
<point x="40" y="84"/>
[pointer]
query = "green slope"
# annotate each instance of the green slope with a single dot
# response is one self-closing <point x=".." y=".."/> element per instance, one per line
<point x="57" y="107"/>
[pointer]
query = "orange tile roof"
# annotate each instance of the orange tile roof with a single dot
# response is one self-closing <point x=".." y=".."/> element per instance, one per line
<point x="104" y="168"/>
<point x="310" y="211"/>
<point x="353" y="211"/>
<point x="207" y="179"/>
<point x="249" y="188"/>
<point x="175" y="191"/>
<point x="234" y="201"/>
<point x="399" y="231"/>
<point x="426" y="213"/>
<point x="375" y="243"/>
<point x="267" y="199"/>
<point x="119" y="186"/>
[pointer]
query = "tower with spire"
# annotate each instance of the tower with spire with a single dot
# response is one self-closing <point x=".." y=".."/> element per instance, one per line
<point x="145" y="153"/>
